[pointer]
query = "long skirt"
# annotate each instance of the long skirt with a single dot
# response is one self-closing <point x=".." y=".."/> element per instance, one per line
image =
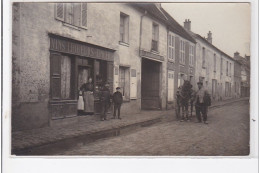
<point x="89" y="102"/>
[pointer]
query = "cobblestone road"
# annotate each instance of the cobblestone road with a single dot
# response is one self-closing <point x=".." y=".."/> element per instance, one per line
<point x="227" y="134"/>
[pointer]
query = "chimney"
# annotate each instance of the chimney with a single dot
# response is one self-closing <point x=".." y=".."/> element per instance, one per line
<point x="236" y="54"/>
<point x="209" y="37"/>
<point x="187" y="24"/>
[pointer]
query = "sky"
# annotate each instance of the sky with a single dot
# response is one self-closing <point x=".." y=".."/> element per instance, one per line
<point x="228" y="22"/>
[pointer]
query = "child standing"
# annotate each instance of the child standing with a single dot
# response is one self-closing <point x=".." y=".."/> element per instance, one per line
<point x="117" y="100"/>
<point x="80" y="103"/>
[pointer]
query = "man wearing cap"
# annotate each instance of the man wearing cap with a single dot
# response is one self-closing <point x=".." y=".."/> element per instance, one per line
<point x="201" y="103"/>
<point x="117" y="100"/>
<point x="105" y="101"/>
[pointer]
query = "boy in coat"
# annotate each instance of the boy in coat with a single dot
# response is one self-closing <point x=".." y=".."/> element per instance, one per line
<point x="117" y="100"/>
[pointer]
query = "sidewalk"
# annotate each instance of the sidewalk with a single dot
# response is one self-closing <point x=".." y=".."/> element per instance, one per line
<point x="88" y="125"/>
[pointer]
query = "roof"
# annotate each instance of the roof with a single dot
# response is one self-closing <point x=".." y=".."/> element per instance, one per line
<point x="177" y="28"/>
<point x="209" y="44"/>
<point x="166" y="18"/>
<point x="153" y="10"/>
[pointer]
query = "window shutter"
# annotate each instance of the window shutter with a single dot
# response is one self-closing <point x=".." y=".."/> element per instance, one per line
<point x="76" y="13"/>
<point x="133" y="87"/>
<point x="110" y="74"/>
<point x="59" y="11"/>
<point x="170" y="85"/>
<point x="55" y="64"/>
<point x="84" y="15"/>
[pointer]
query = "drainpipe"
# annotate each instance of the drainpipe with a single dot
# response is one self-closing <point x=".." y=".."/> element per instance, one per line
<point x="141" y="24"/>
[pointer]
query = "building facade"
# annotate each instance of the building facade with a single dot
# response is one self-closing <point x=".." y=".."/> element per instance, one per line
<point x="244" y="74"/>
<point x="213" y="67"/>
<point x="58" y="46"/>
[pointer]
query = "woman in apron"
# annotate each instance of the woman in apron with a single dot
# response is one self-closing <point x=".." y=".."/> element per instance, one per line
<point x="88" y="97"/>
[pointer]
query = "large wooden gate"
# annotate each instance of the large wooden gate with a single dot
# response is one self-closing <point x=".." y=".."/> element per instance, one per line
<point x="150" y="84"/>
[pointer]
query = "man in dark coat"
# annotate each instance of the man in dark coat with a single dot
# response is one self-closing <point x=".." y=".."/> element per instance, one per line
<point x="105" y="101"/>
<point x="202" y="100"/>
<point x="117" y="100"/>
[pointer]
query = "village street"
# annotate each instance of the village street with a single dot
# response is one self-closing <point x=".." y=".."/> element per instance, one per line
<point x="227" y="134"/>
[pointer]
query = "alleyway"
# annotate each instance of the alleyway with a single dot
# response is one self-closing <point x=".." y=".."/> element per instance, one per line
<point x="227" y="134"/>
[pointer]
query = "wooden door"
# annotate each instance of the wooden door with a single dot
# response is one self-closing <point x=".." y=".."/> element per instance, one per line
<point x="150" y="84"/>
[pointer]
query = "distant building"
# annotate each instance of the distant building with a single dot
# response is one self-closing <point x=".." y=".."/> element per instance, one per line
<point x="213" y="67"/>
<point x="245" y="74"/>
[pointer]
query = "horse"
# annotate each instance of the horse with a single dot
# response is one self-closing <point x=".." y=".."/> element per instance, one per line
<point x="184" y="97"/>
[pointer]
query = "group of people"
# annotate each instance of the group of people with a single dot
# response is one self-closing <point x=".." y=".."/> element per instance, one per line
<point x="186" y="96"/>
<point x="86" y="100"/>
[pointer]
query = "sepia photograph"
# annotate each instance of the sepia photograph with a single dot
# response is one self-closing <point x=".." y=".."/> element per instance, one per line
<point x="130" y="79"/>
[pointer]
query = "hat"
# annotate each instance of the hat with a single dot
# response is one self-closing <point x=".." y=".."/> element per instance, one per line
<point x="117" y="88"/>
<point x="200" y="83"/>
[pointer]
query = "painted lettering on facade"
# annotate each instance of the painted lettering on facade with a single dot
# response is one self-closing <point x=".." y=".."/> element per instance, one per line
<point x="65" y="46"/>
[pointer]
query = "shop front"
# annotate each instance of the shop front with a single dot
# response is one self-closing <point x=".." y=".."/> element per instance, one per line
<point x="72" y="63"/>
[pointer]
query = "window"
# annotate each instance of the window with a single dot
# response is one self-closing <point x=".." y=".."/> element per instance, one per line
<point x="221" y="66"/>
<point x="124" y="82"/>
<point x="72" y="13"/>
<point x="203" y="58"/>
<point x="182" y="52"/>
<point x="214" y="87"/>
<point x="170" y="86"/>
<point x="61" y="80"/>
<point x="215" y="63"/>
<point x="171" y="49"/>
<point x="124" y="28"/>
<point x="181" y="79"/>
<point x="155" y="37"/>
<point x="191" y="55"/>
<point x="230" y="69"/>
<point x="133" y="88"/>
<point x="227" y="69"/>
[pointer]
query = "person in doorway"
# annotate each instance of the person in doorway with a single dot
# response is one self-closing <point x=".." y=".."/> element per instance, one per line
<point x="105" y="101"/>
<point x="117" y="100"/>
<point x="80" y="103"/>
<point x="202" y="102"/>
<point x="88" y="97"/>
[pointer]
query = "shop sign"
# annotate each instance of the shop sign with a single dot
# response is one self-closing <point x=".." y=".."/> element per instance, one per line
<point x="151" y="55"/>
<point x="77" y="48"/>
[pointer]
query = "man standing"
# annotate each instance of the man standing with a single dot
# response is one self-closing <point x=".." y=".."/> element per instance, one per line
<point x="202" y="100"/>
<point x="105" y="101"/>
<point x="117" y="100"/>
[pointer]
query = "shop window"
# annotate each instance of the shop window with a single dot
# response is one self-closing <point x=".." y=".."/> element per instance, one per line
<point x="155" y="37"/>
<point x="124" y="82"/>
<point x="72" y="13"/>
<point x="61" y="77"/>
<point x="124" y="28"/>
<point x="171" y="48"/>
<point x="182" y="52"/>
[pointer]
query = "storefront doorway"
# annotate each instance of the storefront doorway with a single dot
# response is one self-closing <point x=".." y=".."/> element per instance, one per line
<point x="150" y="84"/>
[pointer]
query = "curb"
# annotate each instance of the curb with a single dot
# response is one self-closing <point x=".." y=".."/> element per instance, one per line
<point x="47" y="148"/>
